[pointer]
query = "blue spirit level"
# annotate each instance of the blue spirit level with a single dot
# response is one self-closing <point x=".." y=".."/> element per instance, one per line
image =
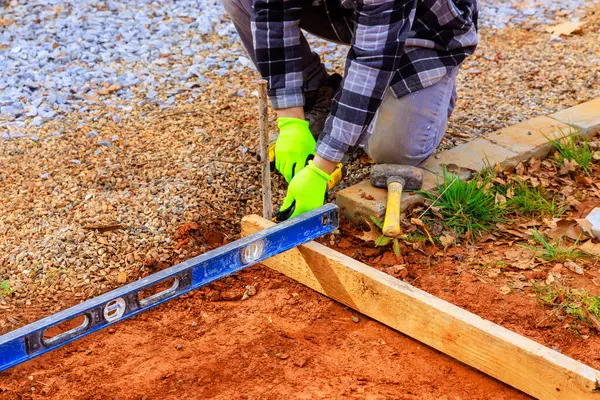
<point x="32" y="340"/>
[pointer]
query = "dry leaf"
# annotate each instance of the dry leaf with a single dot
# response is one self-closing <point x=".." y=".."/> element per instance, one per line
<point x="566" y="28"/>
<point x="512" y="254"/>
<point x="586" y="180"/>
<point x="493" y="272"/>
<point x="530" y="223"/>
<point x="574" y="229"/>
<point x="447" y="241"/>
<point x="571" y="201"/>
<point x="521" y="284"/>
<point x="468" y="235"/>
<point x="568" y="166"/>
<point x="418" y="222"/>
<point x="436" y="211"/>
<point x="534" y="165"/>
<point x="110" y="89"/>
<point x="566" y="190"/>
<point x="500" y="181"/>
<point x="524" y="264"/>
<point x="521" y="258"/>
<point x="549" y="223"/>
<point x="499" y="199"/>
<point x="510" y="192"/>
<point x="522" y="235"/>
<point x="94" y="99"/>
<point x="593" y="319"/>
<point x="464" y="173"/>
<point x="573" y="266"/>
<point x="591" y="248"/>
<point x="371" y="234"/>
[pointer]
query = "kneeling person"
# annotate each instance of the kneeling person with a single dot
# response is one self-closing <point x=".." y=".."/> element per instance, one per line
<point x="395" y="98"/>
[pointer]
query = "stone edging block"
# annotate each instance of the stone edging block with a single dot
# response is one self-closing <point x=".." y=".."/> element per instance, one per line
<point x="585" y="117"/>
<point x="474" y="155"/>
<point x="529" y="138"/>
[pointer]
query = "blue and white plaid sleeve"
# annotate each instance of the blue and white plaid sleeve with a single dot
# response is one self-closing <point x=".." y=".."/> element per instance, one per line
<point x="382" y="27"/>
<point x="276" y="35"/>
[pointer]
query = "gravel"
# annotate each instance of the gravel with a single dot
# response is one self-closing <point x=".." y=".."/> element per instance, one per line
<point x="59" y="57"/>
<point x="137" y="132"/>
<point x="500" y="14"/>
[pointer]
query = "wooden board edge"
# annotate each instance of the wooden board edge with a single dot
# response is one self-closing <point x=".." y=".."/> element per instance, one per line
<point x="505" y="355"/>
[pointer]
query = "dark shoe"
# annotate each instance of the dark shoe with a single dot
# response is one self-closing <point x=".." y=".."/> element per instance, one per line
<point x="317" y="104"/>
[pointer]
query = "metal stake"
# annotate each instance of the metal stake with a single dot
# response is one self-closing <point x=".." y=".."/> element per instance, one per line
<point x="263" y="119"/>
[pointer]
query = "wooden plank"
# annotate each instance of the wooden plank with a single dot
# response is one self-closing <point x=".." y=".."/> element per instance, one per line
<point x="509" y="357"/>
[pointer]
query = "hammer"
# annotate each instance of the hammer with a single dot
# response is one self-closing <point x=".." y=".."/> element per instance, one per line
<point x="396" y="178"/>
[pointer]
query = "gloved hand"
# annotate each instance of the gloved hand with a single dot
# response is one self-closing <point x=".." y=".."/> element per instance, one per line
<point x="305" y="192"/>
<point x="294" y="144"/>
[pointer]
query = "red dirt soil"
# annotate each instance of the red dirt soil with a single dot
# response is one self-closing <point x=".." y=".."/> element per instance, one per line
<point x="284" y="342"/>
<point x="450" y="276"/>
<point x="290" y="342"/>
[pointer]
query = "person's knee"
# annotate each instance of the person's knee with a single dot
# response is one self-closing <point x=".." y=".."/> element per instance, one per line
<point x="405" y="154"/>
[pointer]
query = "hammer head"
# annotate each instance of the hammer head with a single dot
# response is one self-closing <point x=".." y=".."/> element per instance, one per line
<point x="410" y="177"/>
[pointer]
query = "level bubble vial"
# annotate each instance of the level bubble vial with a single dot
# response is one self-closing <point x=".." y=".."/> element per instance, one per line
<point x="253" y="252"/>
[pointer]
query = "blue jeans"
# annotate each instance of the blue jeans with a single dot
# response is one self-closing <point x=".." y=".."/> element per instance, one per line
<point x="406" y="130"/>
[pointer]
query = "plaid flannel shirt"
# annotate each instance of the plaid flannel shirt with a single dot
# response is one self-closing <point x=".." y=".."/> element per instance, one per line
<point x="403" y="44"/>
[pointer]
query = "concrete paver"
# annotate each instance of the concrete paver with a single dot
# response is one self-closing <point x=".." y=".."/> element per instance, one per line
<point x="529" y="138"/>
<point x="474" y="155"/>
<point x="585" y="116"/>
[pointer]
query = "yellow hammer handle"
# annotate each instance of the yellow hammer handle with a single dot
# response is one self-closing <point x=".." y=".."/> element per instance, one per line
<point x="391" y="225"/>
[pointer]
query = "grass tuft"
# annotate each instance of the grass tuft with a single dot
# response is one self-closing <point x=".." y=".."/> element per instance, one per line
<point x="576" y="302"/>
<point x="467" y="206"/>
<point x="554" y="252"/>
<point x="570" y="146"/>
<point x="531" y="201"/>
<point x="5" y="289"/>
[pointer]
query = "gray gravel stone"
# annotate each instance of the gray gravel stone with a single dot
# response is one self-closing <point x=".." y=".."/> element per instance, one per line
<point x="104" y="142"/>
<point x="47" y="55"/>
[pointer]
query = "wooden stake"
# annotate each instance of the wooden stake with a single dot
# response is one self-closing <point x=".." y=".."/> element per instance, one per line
<point x="507" y="356"/>
<point x="263" y="120"/>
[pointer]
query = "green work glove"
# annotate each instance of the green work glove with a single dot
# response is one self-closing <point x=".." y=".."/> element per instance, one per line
<point x="305" y="192"/>
<point x="294" y="144"/>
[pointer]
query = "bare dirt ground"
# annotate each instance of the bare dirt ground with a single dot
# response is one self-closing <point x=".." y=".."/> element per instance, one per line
<point x="285" y="342"/>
